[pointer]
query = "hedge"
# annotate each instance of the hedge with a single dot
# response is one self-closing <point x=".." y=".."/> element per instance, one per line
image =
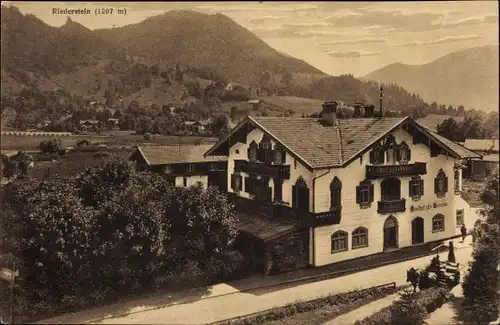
<point x="411" y="309"/>
<point x="341" y="299"/>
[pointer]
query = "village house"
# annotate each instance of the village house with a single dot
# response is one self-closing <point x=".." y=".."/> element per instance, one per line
<point x="183" y="165"/>
<point x="88" y="124"/>
<point x="480" y="169"/>
<point x="311" y="192"/>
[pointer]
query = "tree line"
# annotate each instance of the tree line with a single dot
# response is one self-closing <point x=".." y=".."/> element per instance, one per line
<point x="110" y="231"/>
<point x="475" y="125"/>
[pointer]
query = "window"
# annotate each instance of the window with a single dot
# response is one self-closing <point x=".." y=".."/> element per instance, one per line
<point x="438" y="223"/>
<point x="252" y="151"/>
<point x="212" y="166"/>
<point x="335" y="193"/>
<point x="339" y="242"/>
<point x="258" y="186"/>
<point x="416" y="189"/>
<point x="391" y="189"/>
<point x="264" y="153"/>
<point x="167" y="169"/>
<point x="364" y="192"/>
<point x="185" y="181"/>
<point x="377" y="155"/>
<point x="460" y="218"/>
<point x="404" y="153"/>
<point x="360" y="238"/>
<point x="279" y="155"/>
<point x="441" y="184"/>
<point x="457" y="180"/>
<point x="300" y="192"/>
<point x="391" y="153"/>
<point x="190" y="168"/>
<point x="236" y="182"/>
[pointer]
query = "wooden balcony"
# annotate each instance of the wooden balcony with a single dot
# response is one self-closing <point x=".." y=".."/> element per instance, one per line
<point x="257" y="168"/>
<point x="375" y="172"/>
<point x="279" y="211"/>
<point x="391" y="206"/>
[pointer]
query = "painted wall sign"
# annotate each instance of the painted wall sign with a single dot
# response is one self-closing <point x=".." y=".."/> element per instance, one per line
<point x="423" y="207"/>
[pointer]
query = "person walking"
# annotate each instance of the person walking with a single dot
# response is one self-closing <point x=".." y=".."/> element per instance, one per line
<point x="463" y="230"/>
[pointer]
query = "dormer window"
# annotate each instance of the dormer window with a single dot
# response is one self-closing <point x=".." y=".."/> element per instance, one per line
<point x="404" y="153"/>
<point x="441" y="184"/>
<point x="377" y="155"/>
<point x="252" y="151"/>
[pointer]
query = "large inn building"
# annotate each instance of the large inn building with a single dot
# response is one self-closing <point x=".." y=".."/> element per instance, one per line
<point x="319" y="191"/>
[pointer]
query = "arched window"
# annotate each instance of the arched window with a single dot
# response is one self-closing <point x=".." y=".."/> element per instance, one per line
<point x="404" y="153"/>
<point x="252" y="151"/>
<point x="279" y="155"/>
<point x="335" y="193"/>
<point x="339" y="241"/>
<point x="441" y="184"/>
<point x="391" y="152"/>
<point x="360" y="237"/>
<point x="438" y="223"/>
<point x="377" y="155"/>
<point x="416" y="188"/>
<point x="389" y="139"/>
<point x="300" y="192"/>
<point x="456" y="175"/>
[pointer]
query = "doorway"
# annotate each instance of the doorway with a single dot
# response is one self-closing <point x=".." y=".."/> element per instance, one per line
<point x="417" y="231"/>
<point x="390" y="233"/>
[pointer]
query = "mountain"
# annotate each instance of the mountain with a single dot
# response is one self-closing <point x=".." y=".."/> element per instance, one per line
<point x="212" y="42"/>
<point x="468" y="78"/>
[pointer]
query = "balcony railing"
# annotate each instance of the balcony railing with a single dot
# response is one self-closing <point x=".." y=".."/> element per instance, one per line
<point x="391" y="206"/>
<point x="252" y="167"/>
<point x="374" y="172"/>
<point x="282" y="212"/>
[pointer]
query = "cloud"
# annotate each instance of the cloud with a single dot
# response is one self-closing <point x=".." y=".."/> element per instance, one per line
<point x="263" y="19"/>
<point x="247" y="7"/>
<point x="468" y="21"/>
<point x="355" y="41"/>
<point x="351" y="54"/>
<point x="447" y="39"/>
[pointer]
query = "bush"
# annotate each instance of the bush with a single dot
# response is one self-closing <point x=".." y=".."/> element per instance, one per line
<point x="148" y="136"/>
<point x="411" y="309"/>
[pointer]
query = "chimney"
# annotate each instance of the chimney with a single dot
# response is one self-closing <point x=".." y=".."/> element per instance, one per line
<point x="329" y="113"/>
<point x="370" y="111"/>
<point x="358" y="110"/>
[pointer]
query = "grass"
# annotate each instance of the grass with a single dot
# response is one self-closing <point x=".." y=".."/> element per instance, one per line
<point x="13" y="142"/>
<point x="297" y="104"/>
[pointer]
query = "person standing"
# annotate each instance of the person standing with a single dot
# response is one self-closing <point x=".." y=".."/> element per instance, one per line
<point x="474" y="235"/>
<point x="463" y="230"/>
<point x="451" y="253"/>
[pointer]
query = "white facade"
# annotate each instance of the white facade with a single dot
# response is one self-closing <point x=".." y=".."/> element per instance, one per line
<point x="186" y="181"/>
<point x="353" y="216"/>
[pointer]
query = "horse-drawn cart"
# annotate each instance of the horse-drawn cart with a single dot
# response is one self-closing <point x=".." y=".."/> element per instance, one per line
<point x="436" y="274"/>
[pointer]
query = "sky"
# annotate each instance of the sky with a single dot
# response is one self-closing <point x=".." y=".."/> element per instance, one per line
<point x="335" y="37"/>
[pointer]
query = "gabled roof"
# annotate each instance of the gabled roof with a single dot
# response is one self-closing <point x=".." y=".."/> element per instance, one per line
<point x="482" y="144"/>
<point x="319" y="146"/>
<point x="163" y="155"/>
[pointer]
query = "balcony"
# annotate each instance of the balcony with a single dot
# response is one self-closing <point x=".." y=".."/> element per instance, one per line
<point x="375" y="172"/>
<point x="391" y="206"/>
<point x="279" y="211"/>
<point x="252" y="167"/>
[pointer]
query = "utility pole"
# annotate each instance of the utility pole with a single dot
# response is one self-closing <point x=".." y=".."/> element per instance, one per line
<point x="381" y="95"/>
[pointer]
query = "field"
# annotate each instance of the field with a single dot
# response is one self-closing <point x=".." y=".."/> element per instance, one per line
<point x="12" y="142"/>
<point x="297" y="104"/>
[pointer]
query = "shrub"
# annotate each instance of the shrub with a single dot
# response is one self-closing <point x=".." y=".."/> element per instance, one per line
<point x="148" y="136"/>
<point x="411" y="309"/>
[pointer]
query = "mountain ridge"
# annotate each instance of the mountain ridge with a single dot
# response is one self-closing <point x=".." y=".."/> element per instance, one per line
<point x="468" y="77"/>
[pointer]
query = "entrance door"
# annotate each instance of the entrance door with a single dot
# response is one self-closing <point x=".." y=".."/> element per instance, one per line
<point x="391" y="233"/>
<point x="417" y="231"/>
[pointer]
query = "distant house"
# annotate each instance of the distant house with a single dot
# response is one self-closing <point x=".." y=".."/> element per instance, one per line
<point x="479" y="169"/>
<point x="87" y="124"/>
<point x="83" y="143"/>
<point x="183" y="165"/>
<point x="254" y="104"/>
<point x="114" y="120"/>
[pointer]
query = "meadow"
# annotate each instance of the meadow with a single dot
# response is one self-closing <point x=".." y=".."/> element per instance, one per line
<point x="119" y="138"/>
<point x="298" y="105"/>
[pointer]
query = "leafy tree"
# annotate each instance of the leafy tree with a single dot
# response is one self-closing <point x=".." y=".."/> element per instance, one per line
<point x="51" y="146"/>
<point x="407" y="310"/>
<point x="480" y="286"/>
<point x="461" y="111"/>
<point x="220" y="125"/>
<point x="102" y="183"/>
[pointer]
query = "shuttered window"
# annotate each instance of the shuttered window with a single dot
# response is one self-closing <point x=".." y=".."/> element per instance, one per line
<point x="441" y="184"/>
<point x="416" y="187"/>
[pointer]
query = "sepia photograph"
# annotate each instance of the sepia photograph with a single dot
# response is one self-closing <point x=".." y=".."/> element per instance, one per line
<point x="250" y="163"/>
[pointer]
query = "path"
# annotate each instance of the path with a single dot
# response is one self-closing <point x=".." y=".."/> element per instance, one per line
<point x="225" y="301"/>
